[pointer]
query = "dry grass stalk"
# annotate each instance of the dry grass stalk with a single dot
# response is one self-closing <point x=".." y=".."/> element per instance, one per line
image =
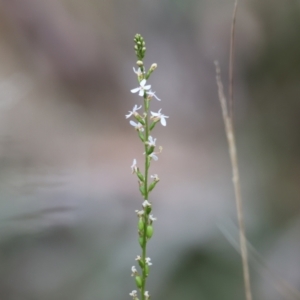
<point x="228" y="122"/>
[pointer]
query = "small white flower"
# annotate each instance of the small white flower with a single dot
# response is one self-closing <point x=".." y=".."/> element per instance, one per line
<point x="151" y="141"/>
<point x="134" y="271"/>
<point x="142" y="88"/>
<point x="138" y="258"/>
<point x="138" y="72"/>
<point x="138" y="126"/>
<point x="159" y="116"/>
<point x="139" y="212"/>
<point x="147" y="295"/>
<point x="133" y="294"/>
<point x="153" y="156"/>
<point x="155" y="177"/>
<point x="146" y="203"/>
<point x="148" y="261"/>
<point x="134" y="167"/>
<point x="152" y="218"/>
<point x="133" y="112"/>
<point x="152" y="94"/>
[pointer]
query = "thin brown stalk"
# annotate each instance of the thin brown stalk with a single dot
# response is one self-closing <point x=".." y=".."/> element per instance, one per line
<point x="228" y="122"/>
<point x="231" y="59"/>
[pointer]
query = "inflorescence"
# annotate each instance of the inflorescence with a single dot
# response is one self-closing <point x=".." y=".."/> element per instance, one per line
<point x="144" y="123"/>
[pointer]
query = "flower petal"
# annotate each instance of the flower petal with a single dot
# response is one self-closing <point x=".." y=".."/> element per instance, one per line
<point x="141" y="93"/>
<point x="163" y="121"/>
<point x="135" y="90"/>
<point x="143" y="82"/>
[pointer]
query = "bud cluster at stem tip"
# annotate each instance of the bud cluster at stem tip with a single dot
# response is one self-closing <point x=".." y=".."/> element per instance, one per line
<point x="139" y="47"/>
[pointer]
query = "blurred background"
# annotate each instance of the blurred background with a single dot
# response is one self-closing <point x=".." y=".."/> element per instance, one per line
<point x="67" y="221"/>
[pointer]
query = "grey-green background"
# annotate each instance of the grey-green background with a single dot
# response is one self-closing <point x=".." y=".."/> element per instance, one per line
<point x="67" y="221"/>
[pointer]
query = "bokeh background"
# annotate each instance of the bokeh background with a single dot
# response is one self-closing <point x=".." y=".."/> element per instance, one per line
<point x="67" y="221"/>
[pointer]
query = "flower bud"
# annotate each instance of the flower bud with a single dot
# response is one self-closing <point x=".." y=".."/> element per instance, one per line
<point x="153" y="67"/>
<point x="139" y="118"/>
<point x="142" y="190"/>
<point x="150" y="150"/>
<point x="152" y="186"/>
<point x="152" y="125"/>
<point x="148" y="209"/>
<point x="141" y="241"/>
<point x="141" y="225"/>
<point x="147" y="270"/>
<point x="141" y="136"/>
<point x="140" y="175"/>
<point x="139" y="63"/>
<point x="149" y="231"/>
<point x="138" y="281"/>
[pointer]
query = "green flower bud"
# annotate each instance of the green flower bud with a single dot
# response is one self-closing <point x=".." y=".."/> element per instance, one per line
<point x="138" y="281"/>
<point x="148" y="161"/>
<point x="152" y="186"/>
<point x="147" y="270"/>
<point x="141" y="224"/>
<point x="152" y="125"/>
<point x="141" y="264"/>
<point x="149" y="231"/>
<point x="141" y="241"/>
<point x="139" y="118"/>
<point x="141" y="136"/>
<point x="142" y="190"/>
<point x="140" y="175"/>
<point x="148" y="209"/>
<point x="150" y="150"/>
<point x="139" y="47"/>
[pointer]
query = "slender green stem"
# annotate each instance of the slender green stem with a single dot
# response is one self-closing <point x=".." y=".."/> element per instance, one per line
<point x="144" y="248"/>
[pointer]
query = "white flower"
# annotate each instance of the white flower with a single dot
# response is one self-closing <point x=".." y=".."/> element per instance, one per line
<point x="147" y="295"/>
<point x="138" y="258"/>
<point x="154" y="156"/>
<point x="138" y="72"/>
<point x="148" y="261"/>
<point x="146" y="203"/>
<point x="159" y="116"/>
<point x="139" y="212"/>
<point x="134" y="167"/>
<point x="142" y="88"/>
<point x="134" y="271"/>
<point x="138" y="126"/>
<point x="151" y="141"/>
<point x="133" y="294"/>
<point x="152" y="94"/>
<point x="152" y="218"/>
<point x="155" y="177"/>
<point x="135" y="108"/>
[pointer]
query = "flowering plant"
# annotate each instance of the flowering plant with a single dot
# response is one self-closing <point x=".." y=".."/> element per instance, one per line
<point x="144" y="124"/>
